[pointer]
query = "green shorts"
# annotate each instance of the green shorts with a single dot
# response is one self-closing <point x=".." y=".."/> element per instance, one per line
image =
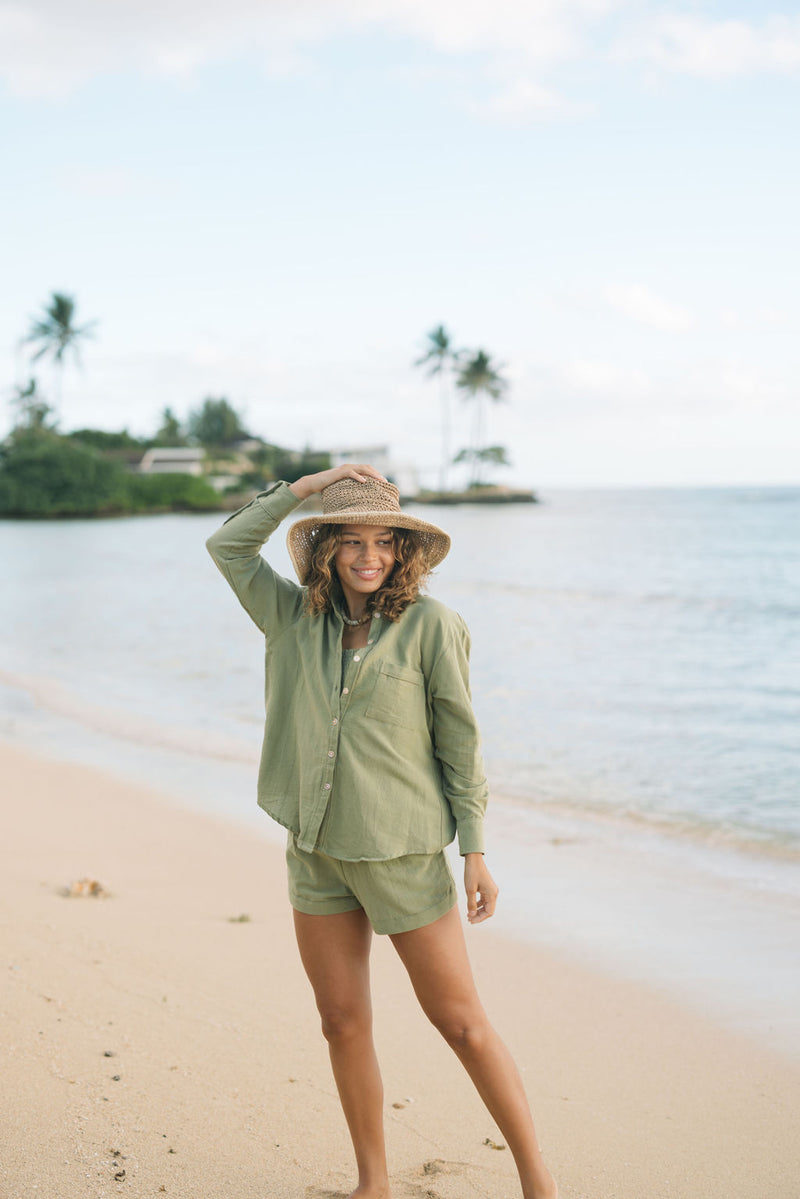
<point x="397" y="895"/>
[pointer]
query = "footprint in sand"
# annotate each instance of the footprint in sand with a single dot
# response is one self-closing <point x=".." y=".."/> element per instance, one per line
<point x="408" y="1188"/>
<point x="439" y="1166"/>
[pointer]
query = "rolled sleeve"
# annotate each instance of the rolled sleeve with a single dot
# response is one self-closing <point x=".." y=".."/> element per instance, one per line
<point x="270" y="600"/>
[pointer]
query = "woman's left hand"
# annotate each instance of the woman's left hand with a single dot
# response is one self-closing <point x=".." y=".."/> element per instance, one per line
<point x="481" y="888"/>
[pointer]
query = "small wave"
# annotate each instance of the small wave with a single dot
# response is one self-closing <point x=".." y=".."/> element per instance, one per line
<point x="735" y="605"/>
<point x="768" y="495"/>
<point x="774" y="844"/>
<point x="54" y="697"/>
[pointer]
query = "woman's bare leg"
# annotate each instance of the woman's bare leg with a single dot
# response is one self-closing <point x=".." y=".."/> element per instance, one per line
<point x="437" y="963"/>
<point x="335" y="953"/>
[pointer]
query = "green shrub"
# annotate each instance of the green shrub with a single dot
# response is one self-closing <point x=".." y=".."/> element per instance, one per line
<point x="292" y="465"/>
<point x="173" y="492"/>
<point x="274" y="462"/>
<point x="100" y="439"/>
<point x="42" y="474"/>
<point x="216" y="423"/>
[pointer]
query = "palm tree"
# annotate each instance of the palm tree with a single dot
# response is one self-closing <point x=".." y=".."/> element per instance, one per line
<point x="34" y="413"/>
<point x="495" y="454"/>
<point x="440" y="360"/>
<point x="170" y="432"/>
<point x="56" y="332"/>
<point x="479" y="378"/>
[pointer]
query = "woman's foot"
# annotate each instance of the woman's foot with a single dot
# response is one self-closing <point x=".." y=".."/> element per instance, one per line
<point x="545" y="1188"/>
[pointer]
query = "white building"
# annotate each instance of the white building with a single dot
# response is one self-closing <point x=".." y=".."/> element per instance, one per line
<point x="176" y="460"/>
<point x="403" y="475"/>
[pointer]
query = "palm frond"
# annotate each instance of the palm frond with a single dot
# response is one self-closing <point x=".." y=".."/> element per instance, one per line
<point x="56" y="329"/>
<point x="439" y="350"/>
<point x="479" y="375"/>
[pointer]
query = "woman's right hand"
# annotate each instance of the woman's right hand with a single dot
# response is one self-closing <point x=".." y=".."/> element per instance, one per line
<point x="311" y="484"/>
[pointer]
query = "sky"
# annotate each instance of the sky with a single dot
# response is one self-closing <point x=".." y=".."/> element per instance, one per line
<point x="276" y="201"/>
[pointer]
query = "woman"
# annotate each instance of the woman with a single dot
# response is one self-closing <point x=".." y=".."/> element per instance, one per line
<point x="371" y="761"/>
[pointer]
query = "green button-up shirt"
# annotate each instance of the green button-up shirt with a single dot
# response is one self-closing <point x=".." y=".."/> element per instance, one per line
<point x="383" y="762"/>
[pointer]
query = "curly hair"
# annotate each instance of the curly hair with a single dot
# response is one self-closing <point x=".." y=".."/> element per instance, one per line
<point x="400" y="589"/>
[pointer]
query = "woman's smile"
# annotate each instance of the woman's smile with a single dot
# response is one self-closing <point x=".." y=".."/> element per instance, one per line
<point x="364" y="560"/>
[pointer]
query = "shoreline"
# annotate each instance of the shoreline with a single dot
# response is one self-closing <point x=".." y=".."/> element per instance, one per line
<point x="710" y="923"/>
<point x="219" y="1082"/>
<point x="83" y="720"/>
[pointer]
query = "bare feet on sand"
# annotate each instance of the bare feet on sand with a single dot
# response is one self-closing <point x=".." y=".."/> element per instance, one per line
<point x="547" y="1189"/>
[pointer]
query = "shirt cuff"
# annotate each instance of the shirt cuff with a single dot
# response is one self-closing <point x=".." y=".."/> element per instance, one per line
<point x="470" y="835"/>
<point x="277" y="501"/>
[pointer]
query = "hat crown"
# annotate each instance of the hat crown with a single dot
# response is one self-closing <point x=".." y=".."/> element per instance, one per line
<point x="348" y="495"/>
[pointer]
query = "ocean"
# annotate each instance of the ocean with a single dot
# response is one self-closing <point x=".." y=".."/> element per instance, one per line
<point x="636" y="652"/>
<point x="635" y="671"/>
<point x="640" y="650"/>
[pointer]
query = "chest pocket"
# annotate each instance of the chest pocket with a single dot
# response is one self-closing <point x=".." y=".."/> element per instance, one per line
<point x="398" y="696"/>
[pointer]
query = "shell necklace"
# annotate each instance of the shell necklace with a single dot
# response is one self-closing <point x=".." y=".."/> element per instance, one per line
<point x="356" y="624"/>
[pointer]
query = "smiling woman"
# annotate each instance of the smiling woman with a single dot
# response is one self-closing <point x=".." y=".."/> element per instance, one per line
<point x="381" y="568"/>
<point x="364" y="560"/>
<point x="371" y="760"/>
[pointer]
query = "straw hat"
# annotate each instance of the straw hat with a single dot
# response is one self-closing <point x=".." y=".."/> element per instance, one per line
<point x="372" y="502"/>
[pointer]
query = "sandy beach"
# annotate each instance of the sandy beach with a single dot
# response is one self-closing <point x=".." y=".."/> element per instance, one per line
<point x="162" y="1039"/>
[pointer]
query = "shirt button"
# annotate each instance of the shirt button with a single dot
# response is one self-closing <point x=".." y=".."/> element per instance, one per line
<point x="345" y="691"/>
<point x="330" y="753"/>
<point x="370" y="641"/>
<point x="327" y="787"/>
<point x="356" y="657"/>
<point x="335" y="720"/>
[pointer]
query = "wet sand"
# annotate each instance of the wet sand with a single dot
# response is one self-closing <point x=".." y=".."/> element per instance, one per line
<point x="161" y="1039"/>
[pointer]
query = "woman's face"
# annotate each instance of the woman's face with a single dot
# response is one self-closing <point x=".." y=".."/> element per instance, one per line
<point x="364" y="560"/>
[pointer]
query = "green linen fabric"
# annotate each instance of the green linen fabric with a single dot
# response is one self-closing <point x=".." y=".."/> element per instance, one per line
<point x="383" y="763"/>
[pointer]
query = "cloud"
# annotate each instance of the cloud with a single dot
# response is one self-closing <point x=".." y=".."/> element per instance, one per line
<point x="541" y="30"/>
<point x="642" y="305"/>
<point x="48" y="48"/>
<point x="522" y="100"/>
<point x="765" y="317"/>
<point x="727" y="386"/>
<point x="580" y="389"/>
<point x="595" y="378"/>
<point x="104" y="183"/>
<point x="694" y="45"/>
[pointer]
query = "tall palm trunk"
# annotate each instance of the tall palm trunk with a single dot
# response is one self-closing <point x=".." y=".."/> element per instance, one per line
<point x="58" y="385"/>
<point x="481" y="382"/>
<point x="444" y="396"/>
<point x="55" y="332"/>
<point x="478" y="424"/>
<point x="439" y="360"/>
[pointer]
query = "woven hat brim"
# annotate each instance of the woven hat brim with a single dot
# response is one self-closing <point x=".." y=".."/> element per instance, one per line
<point x="435" y="541"/>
